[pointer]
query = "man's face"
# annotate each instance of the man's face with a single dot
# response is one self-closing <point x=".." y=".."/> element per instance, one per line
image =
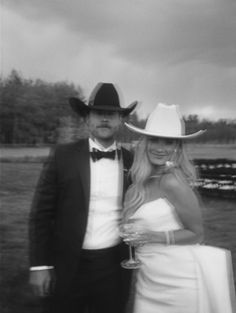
<point x="103" y="125"/>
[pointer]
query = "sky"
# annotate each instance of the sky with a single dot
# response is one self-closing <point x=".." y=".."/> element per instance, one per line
<point x="171" y="51"/>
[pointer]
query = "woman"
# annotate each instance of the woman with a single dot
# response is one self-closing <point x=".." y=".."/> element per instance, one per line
<point x="177" y="273"/>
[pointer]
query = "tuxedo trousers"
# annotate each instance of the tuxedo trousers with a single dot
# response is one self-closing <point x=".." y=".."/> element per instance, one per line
<point x="99" y="286"/>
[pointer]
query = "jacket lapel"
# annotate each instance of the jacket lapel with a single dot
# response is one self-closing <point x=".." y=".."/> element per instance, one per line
<point x="84" y="168"/>
<point x="127" y="162"/>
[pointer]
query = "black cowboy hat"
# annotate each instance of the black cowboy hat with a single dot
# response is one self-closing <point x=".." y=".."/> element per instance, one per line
<point x="104" y="97"/>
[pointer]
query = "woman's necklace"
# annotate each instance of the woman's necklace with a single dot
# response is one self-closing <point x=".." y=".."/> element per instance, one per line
<point x="155" y="176"/>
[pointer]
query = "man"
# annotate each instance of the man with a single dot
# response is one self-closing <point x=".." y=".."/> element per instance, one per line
<point x="75" y="248"/>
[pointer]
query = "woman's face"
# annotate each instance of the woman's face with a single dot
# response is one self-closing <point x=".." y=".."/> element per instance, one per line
<point x="160" y="150"/>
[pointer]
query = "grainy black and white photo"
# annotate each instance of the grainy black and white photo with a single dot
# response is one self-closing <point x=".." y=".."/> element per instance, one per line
<point x="117" y="156"/>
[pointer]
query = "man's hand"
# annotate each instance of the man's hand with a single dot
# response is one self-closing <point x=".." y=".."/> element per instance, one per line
<point x="42" y="282"/>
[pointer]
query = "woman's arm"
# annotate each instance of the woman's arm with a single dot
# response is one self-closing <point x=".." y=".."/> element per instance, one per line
<point x="182" y="197"/>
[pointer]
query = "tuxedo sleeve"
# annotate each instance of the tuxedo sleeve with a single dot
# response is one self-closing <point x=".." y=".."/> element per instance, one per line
<point x="42" y="215"/>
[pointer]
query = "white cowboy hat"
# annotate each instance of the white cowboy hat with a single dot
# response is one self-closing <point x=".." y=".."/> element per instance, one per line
<point x="166" y="122"/>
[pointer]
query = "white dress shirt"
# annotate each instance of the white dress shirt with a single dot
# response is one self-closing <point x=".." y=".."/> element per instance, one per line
<point x="106" y="185"/>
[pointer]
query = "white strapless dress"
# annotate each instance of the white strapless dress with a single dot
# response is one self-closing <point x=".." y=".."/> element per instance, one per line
<point x="180" y="278"/>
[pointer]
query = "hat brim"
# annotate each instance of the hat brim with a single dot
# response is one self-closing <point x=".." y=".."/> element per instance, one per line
<point x="83" y="109"/>
<point x="151" y="134"/>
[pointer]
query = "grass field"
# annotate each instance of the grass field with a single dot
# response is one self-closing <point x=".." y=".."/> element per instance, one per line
<point x="17" y="184"/>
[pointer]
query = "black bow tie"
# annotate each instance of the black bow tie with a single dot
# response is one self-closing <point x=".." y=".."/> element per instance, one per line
<point x="97" y="154"/>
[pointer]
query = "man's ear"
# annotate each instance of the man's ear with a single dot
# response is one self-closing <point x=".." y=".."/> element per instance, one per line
<point x="122" y="117"/>
<point x="86" y="119"/>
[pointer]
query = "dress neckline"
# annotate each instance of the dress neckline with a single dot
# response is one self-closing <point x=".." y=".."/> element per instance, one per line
<point x="166" y="201"/>
<point x="157" y="199"/>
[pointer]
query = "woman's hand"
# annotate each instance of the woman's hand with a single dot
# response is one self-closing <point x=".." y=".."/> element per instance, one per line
<point x="135" y="233"/>
<point x="139" y="239"/>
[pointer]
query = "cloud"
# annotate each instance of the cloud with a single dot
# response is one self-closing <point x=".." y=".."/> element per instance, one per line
<point x="147" y="31"/>
<point x="180" y="51"/>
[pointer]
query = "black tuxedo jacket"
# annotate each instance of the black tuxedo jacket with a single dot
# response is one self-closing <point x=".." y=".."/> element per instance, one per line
<point x="59" y="210"/>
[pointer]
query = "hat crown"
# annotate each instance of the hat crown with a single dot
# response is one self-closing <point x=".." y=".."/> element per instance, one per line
<point x="166" y="121"/>
<point x="104" y="95"/>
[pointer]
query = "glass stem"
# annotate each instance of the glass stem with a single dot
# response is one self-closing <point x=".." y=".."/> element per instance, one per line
<point x="130" y="253"/>
<point x="134" y="255"/>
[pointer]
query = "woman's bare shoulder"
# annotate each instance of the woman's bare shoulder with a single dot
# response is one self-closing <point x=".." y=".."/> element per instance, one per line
<point x="174" y="182"/>
<point x="172" y="179"/>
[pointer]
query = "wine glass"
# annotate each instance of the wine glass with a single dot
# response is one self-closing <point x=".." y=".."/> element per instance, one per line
<point x="128" y="232"/>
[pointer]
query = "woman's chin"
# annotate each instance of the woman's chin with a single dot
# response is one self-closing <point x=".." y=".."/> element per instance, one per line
<point x="158" y="162"/>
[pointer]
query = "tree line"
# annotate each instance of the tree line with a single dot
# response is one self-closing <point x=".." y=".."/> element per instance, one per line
<point x="37" y="112"/>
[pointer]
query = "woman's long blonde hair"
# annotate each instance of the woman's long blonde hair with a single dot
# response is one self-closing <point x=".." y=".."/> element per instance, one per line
<point x="142" y="169"/>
